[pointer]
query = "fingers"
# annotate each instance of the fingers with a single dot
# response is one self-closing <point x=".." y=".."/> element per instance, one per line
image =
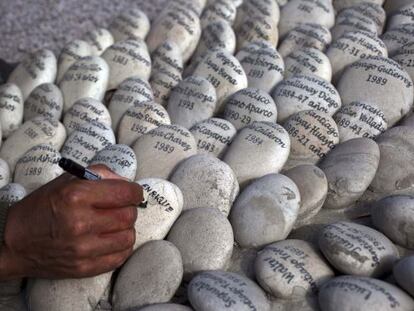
<point x="105" y="172"/>
<point x="113" y="220"/>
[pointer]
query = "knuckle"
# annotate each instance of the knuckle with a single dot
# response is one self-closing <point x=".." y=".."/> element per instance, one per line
<point x="78" y="227"/>
<point x="130" y="238"/>
<point x="73" y="195"/>
<point x="81" y="267"/>
<point x="81" y="250"/>
<point x="129" y="215"/>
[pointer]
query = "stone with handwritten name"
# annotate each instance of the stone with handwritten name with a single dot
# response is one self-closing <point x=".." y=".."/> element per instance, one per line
<point x="404" y="15"/>
<point x="130" y="24"/>
<point x="35" y="69"/>
<point x="165" y="307"/>
<point x="151" y="275"/>
<point x="70" y="54"/>
<point x="344" y="4"/>
<point x="210" y="244"/>
<point x="45" y="100"/>
<point x="357" y="250"/>
<point x="404" y="274"/>
<point x="249" y="105"/>
<point x="12" y="193"/>
<point x="363" y="293"/>
<point x="39" y="130"/>
<point x="371" y="10"/>
<point x="37" y="167"/>
<point x="162" y="83"/>
<point x="313" y="188"/>
<point x="87" y="77"/>
<point x="11" y="108"/>
<point x="258" y="27"/>
<point x="405" y="57"/>
<point x="259" y="149"/>
<point x="396" y="38"/>
<point x="265" y="211"/>
<point x="220" y="290"/>
<point x="5" y="177"/>
<point x="99" y="39"/>
<point x="291" y="269"/>
<point x="257" y="8"/>
<point x="308" y="61"/>
<point x="193" y="100"/>
<point x="263" y="65"/>
<point x="219" y="10"/>
<point x="167" y="56"/>
<point x="349" y="21"/>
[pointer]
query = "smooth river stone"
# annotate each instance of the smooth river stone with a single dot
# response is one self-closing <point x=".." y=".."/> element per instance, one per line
<point x="5" y="177"/>
<point x="37" y="167"/>
<point x="168" y="56"/>
<point x="83" y="111"/>
<point x="39" y="130"/>
<point x="11" y="109"/>
<point x="394" y="216"/>
<point x="87" y="77"/>
<point x="259" y="149"/>
<point x="308" y="61"/>
<point x="254" y="8"/>
<point x="354" y="293"/>
<point x="381" y="81"/>
<point x="313" y="188"/>
<point x="205" y="239"/>
<point x="161" y="149"/>
<point x="132" y="90"/>
<point x="406" y="60"/>
<point x="162" y="83"/>
<point x="46" y="100"/>
<point x="396" y="38"/>
<point x="306" y="35"/>
<point x="295" y="12"/>
<point x="130" y="24"/>
<point x="224" y="72"/>
<point x="140" y="119"/>
<point x="360" y="119"/>
<point x="213" y="136"/>
<point x="248" y="106"/>
<point x="164" y="206"/>
<point x="344" y="4"/>
<point x="219" y="10"/>
<point x="35" y="69"/>
<point x="70" y="54"/>
<point x="313" y="134"/>
<point x="304" y="92"/>
<point x="262" y="64"/>
<point x="99" y="39"/>
<point x="351" y="47"/>
<point x="86" y="141"/>
<point x="127" y="59"/>
<point x="219" y="290"/>
<point x="151" y="275"/>
<point x="291" y="269"/>
<point x="165" y="307"/>
<point x="193" y="100"/>
<point x="68" y="294"/>
<point x="12" y="193"/>
<point x="373" y="11"/>
<point x="404" y="274"/>
<point x="265" y="211"/>
<point x="349" y="21"/>
<point x="357" y="250"/>
<point x="206" y="182"/>
<point x="404" y="15"/>
<point x="394" y="5"/>
<point x="119" y="158"/>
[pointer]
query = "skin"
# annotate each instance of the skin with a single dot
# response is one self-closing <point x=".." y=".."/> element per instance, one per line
<point x="71" y="228"/>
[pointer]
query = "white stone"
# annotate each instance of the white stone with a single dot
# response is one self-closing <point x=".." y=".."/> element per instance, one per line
<point x="46" y="100"/>
<point x="404" y="15"/>
<point x="218" y="10"/>
<point x="392" y="6"/>
<point x="12" y="193"/>
<point x="396" y="38"/>
<point x="70" y="54"/>
<point x="404" y="274"/>
<point x="130" y="24"/>
<point x="348" y="21"/>
<point x="162" y="83"/>
<point x="405" y="57"/>
<point x="5" y="177"/>
<point x="257" y="8"/>
<point x="373" y="11"/>
<point x="167" y="56"/>
<point x="165" y="307"/>
<point x="99" y="39"/>
<point x="344" y="4"/>
<point x="11" y="108"/>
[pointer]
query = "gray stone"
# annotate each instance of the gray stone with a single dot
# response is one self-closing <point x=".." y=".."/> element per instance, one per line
<point x="396" y="38"/>
<point x="165" y="307"/>
<point x="45" y="100"/>
<point x="12" y="193"/>
<point x="404" y="274"/>
<point x="5" y="177"/>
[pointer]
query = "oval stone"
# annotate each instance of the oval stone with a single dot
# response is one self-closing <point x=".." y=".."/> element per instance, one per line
<point x="219" y="10"/>
<point x="373" y="11"/>
<point x="70" y="54"/>
<point x="162" y="83"/>
<point x="404" y="274"/>
<point x="46" y="100"/>
<point x="12" y="193"/>
<point x="167" y="56"/>
<point x="11" y="108"/>
<point x="130" y="24"/>
<point x="165" y="307"/>
<point x="404" y="15"/>
<point x="257" y="8"/>
<point x="99" y="39"/>
<point x="396" y="38"/>
<point x="5" y="177"/>
<point x="344" y="4"/>
<point x="349" y="21"/>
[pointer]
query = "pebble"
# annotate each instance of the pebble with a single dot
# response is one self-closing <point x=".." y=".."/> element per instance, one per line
<point x="257" y="8"/>
<point x="130" y="24"/>
<point x="86" y="141"/>
<point x="39" y="130"/>
<point x="213" y="136"/>
<point x="348" y="21"/>
<point x="379" y="80"/>
<point x="313" y="188"/>
<point x="404" y="15"/>
<point x="206" y="182"/>
<point x="87" y="77"/>
<point x="344" y="4"/>
<point x="396" y="38"/>
<point x="259" y="149"/>
<point x="404" y="274"/>
<point x="167" y="56"/>
<point x="392" y="6"/>
<point x="224" y="72"/>
<point x="99" y="39"/>
<point x="394" y="216"/>
<point x="162" y="83"/>
<point x="371" y="10"/>
<point x="304" y="92"/>
<point x="12" y="193"/>
<point x="360" y="119"/>
<point x="37" y="167"/>
<point x="119" y="158"/>
<point x="265" y="211"/>
<point x="350" y="169"/>
<point x="193" y="100"/>
<point x="45" y="100"/>
<point x="165" y="307"/>
<point x="151" y="275"/>
<point x="306" y="35"/>
<point x="313" y="134"/>
<point x="129" y="58"/>
<point x="219" y="290"/>
<point x="164" y="206"/>
<point x="357" y="250"/>
<point x="5" y="177"/>
<point x="291" y="269"/>
<point x="210" y="243"/>
<point x="70" y="54"/>
<point x="11" y="108"/>
<point x="262" y="64"/>
<point x="84" y="111"/>
<point x="308" y="61"/>
<point x="219" y="10"/>
<point x="132" y="90"/>
<point x="361" y="294"/>
<point x="140" y="119"/>
<point x="35" y="69"/>
<point x="405" y="59"/>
